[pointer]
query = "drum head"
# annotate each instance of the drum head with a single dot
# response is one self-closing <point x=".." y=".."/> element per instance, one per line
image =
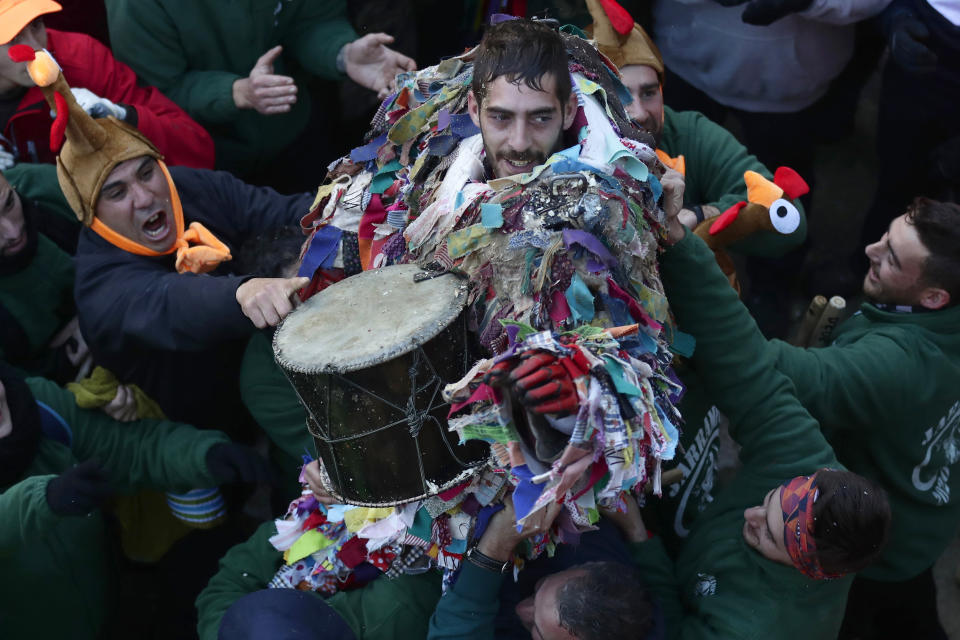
<point x="368" y="319"/>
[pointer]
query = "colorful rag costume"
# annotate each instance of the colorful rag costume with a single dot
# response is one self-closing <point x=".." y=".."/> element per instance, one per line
<point x="563" y="259"/>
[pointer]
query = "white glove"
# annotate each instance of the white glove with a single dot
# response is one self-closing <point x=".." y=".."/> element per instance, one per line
<point x="96" y="106"/>
<point x="6" y="160"/>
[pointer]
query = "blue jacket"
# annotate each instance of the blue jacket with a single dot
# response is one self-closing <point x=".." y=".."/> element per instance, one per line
<point x="179" y="336"/>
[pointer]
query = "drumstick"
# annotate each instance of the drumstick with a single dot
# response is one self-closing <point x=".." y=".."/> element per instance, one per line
<point x="809" y="322"/>
<point x="828" y="322"/>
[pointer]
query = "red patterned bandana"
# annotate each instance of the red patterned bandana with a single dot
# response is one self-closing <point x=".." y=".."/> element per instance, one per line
<point x="796" y="501"/>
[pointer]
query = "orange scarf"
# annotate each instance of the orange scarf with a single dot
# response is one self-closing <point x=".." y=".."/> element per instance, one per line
<point x="208" y="251"/>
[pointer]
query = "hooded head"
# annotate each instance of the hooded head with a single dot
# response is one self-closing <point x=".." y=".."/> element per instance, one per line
<point x="93" y="148"/>
<point x="621" y="39"/>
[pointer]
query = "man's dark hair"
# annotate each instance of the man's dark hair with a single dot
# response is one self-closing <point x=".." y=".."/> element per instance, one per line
<point x="607" y="601"/>
<point x="938" y="226"/>
<point x="521" y="51"/>
<point x="851" y="521"/>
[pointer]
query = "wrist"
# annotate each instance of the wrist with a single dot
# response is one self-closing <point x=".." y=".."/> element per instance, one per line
<point x="341" y="61"/>
<point x="497" y="550"/>
<point x="496" y="565"/>
<point x="241" y="87"/>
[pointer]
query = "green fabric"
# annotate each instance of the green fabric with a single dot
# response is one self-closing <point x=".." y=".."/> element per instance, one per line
<point x="272" y="402"/>
<point x="100" y="388"/>
<point x="886" y="393"/>
<point x="39" y="182"/>
<point x="194" y="50"/>
<point x="382" y="610"/>
<point x="40" y="298"/>
<point x="718" y="587"/>
<point x="467" y="611"/>
<point x="58" y="565"/>
<point x="715" y="163"/>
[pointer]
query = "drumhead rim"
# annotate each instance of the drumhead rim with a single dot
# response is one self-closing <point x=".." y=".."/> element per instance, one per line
<point x="459" y="303"/>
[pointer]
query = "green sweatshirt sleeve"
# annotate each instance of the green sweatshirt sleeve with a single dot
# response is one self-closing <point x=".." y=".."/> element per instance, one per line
<point x="24" y="513"/>
<point x="143" y="453"/>
<point x="246" y="568"/>
<point x="715" y="164"/>
<point x="779" y="439"/>
<point x="271" y="400"/>
<point x="144" y="35"/>
<point x="468" y="610"/>
<point x="315" y="34"/>
<point x="844" y="384"/>
<point x="660" y="577"/>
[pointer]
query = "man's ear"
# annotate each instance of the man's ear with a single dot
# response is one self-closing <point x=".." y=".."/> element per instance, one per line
<point x="934" y="298"/>
<point x="570" y="110"/>
<point x="473" y="108"/>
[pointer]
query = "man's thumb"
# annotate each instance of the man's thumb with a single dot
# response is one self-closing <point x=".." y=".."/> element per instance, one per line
<point x="297" y="283"/>
<point x="267" y="59"/>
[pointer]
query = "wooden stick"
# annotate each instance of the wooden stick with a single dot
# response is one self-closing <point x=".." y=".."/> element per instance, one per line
<point x="829" y="320"/>
<point x="809" y="322"/>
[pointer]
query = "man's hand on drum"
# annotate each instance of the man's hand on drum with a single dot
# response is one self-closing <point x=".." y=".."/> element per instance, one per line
<point x="538" y="381"/>
<point x="267" y="301"/>
<point x="313" y="477"/>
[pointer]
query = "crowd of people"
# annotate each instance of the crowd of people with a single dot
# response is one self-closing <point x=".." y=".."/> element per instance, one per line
<point x="173" y="186"/>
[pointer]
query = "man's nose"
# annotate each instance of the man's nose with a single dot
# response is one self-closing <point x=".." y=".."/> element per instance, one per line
<point x="636" y="110"/>
<point x="872" y="250"/>
<point x="8" y="230"/>
<point x="519" y="136"/>
<point x="142" y="197"/>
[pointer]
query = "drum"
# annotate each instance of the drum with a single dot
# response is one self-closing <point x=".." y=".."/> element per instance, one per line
<point x="368" y="357"/>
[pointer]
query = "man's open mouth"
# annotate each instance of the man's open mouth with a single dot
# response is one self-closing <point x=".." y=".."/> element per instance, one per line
<point x="155" y="227"/>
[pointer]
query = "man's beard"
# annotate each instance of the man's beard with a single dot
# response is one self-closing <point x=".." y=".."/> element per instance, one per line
<point x="655" y="130"/>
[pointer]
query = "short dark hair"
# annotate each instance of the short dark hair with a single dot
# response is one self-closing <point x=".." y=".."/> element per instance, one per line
<point x="851" y="518"/>
<point x="606" y="601"/>
<point x="938" y="226"/>
<point x="524" y="51"/>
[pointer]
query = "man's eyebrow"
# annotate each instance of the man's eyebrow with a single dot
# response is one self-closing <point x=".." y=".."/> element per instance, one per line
<point x="651" y="85"/>
<point x="117" y="183"/>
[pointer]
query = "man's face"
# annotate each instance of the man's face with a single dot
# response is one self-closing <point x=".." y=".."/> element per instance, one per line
<point x="646" y="110"/>
<point x="14" y="74"/>
<point x="6" y="422"/>
<point x="763" y="528"/>
<point x="13" y="231"/>
<point x="896" y="265"/>
<point x="521" y="126"/>
<point x="538" y="613"/>
<point x="135" y="202"/>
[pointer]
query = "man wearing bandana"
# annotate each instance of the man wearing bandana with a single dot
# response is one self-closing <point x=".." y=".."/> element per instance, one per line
<point x="58" y="465"/>
<point x="774" y="554"/>
<point x="155" y="295"/>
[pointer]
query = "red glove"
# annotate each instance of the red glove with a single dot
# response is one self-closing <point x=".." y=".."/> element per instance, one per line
<point x="538" y="381"/>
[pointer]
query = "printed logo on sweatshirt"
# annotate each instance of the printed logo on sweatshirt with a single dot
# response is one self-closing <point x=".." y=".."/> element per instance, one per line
<point x="706" y="585"/>
<point x="942" y="445"/>
<point x="699" y="466"/>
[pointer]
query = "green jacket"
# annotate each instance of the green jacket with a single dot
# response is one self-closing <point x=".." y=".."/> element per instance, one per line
<point x="55" y="569"/>
<point x="715" y="163"/>
<point x="718" y="587"/>
<point x="886" y="393"/>
<point x="273" y="403"/>
<point x="382" y="610"/>
<point x="39" y="297"/>
<point x="194" y="50"/>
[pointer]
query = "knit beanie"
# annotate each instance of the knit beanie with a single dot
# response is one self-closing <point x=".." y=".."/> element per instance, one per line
<point x="93" y="148"/>
<point x="620" y="38"/>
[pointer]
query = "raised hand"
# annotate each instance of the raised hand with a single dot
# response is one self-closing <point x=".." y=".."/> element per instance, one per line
<point x="263" y="90"/>
<point x="79" y="490"/>
<point x="371" y="64"/>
